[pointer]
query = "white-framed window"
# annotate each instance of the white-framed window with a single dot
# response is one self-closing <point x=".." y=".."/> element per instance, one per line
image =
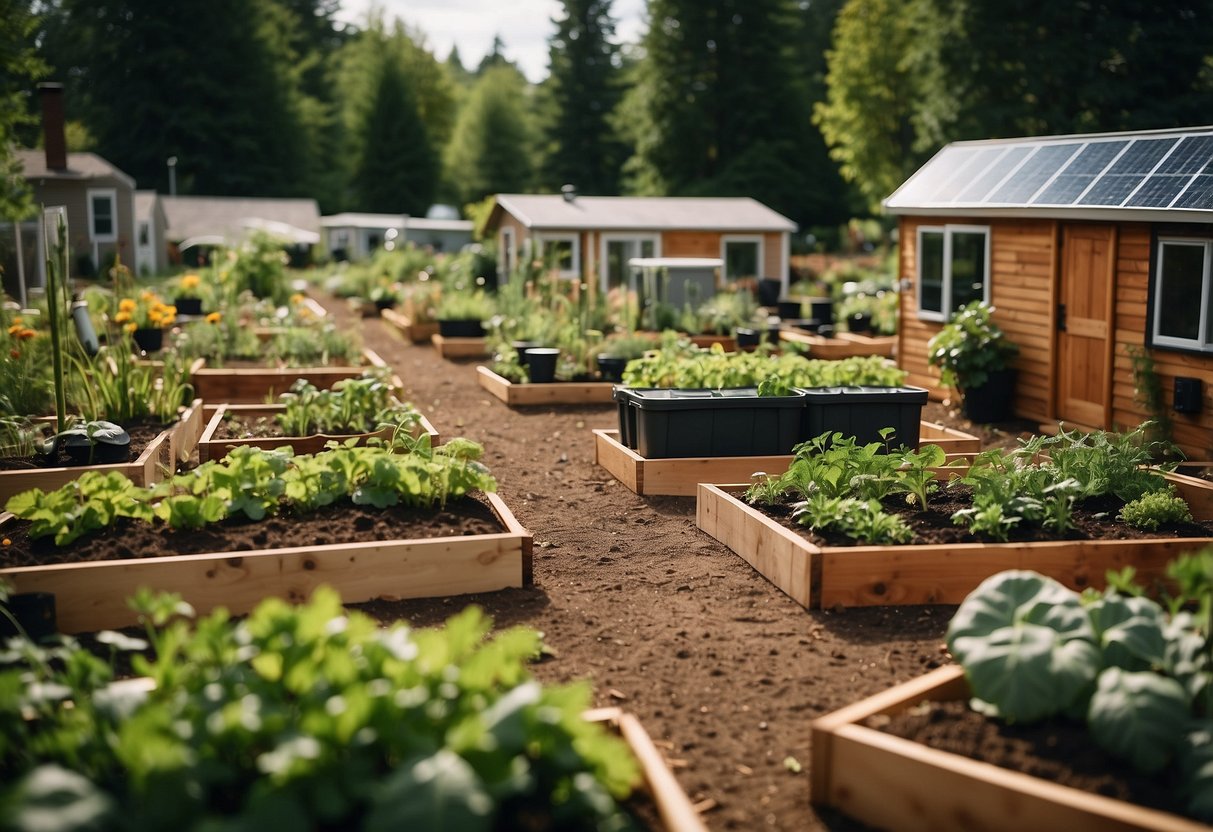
<point x="1182" y="294"/>
<point x="103" y="215"/>
<point x="561" y="252"/>
<point x="618" y="249"/>
<point x="742" y="255"/>
<point x="953" y="268"/>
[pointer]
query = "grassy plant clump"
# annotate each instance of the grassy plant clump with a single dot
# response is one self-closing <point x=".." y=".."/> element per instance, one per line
<point x="302" y="717"/>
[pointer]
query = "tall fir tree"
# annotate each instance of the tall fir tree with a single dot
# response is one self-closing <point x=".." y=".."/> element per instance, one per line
<point x="19" y="68"/>
<point x="397" y="171"/>
<point x="491" y="149"/>
<point x="581" y="146"/>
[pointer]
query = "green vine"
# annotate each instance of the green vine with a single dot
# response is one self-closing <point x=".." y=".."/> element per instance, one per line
<point x="1147" y="388"/>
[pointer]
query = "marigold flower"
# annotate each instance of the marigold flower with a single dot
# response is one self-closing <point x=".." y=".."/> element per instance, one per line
<point x="214" y="318"/>
<point x="148" y="295"/>
<point x="131" y="327"/>
<point x="127" y="305"/>
<point x="14" y="354"/>
<point x="26" y="334"/>
<point x="14" y="329"/>
<point x="122" y="317"/>
<point x="190" y="281"/>
<point x="17" y="319"/>
<point x="297" y="298"/>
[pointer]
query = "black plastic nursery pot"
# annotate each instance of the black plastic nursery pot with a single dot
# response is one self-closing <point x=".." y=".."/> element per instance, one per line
<point x="747" y="337"/>
<point x="460" y="328"/>
<point x="188" y="306"/>
<point x="149" y="339"/>
<point x="863" y="412"/>
<point x="707" y="423"/>
<point x="611" y="367"/>
<point x="34" y="613"/>
<point x="83" y="451"/>
<point x="821" y="309"/>
<point x="992" y="401"/>
<point x="541" y="364"/>
<point x="788" y="309"/>
<point x="521" y="347"/>
<point x="860" y="323"/>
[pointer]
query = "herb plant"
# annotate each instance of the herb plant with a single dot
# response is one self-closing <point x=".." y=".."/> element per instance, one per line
<point x="1142" y="680"/>
<point x="1156" y="508"/>
<point x="302" y="718"/>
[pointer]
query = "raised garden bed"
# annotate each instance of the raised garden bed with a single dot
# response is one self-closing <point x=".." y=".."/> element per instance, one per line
<point x="252" y="385"/>
<point x="727" y="342"/>
<point x="841" y="344"/>
<point x="560" y="392"/>
<point x="92" y="595"/>
<point x="158" y="458"/>
<point x="679" y="477"/>
<point x="823" y="577"/>
<point x="212" y="446"/>
<point x="418" y="333"/>
<point x="460" y="347"/>
<point x="895" y="783"/>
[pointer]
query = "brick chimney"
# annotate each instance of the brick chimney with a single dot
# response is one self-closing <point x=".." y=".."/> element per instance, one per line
<point x="53" y="137"/>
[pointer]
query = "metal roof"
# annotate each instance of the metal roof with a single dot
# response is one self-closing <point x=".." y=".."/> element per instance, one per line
<point x="1155" y="175"/>
<point x="634" y="213"/>
<point x="232" y="216"/>
<point x="357" y="220"/>
<point x="80" y="166"/>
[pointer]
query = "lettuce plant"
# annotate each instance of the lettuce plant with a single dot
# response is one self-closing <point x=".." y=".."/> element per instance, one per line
<point x="1140" y="678"/>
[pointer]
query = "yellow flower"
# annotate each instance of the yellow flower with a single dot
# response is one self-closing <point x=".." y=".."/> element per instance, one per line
<point x="6" y="542"/>
<point x="17" y="319"/>
<point x="214" y="318"/>
<point x="190" y="281"/>
<point x="14" y="329"/>
<point x="127" y="305"/>
<point x="147" y="295"/>
<point x="131" y="327"/>
<point x="122" y="317"/>
<point x="297" y="298"/>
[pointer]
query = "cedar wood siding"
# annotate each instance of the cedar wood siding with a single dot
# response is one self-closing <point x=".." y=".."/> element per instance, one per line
<point x="1022" y="265"/>
<point x="708" y="244"/>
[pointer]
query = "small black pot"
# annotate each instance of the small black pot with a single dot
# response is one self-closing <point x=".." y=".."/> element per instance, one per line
<point x="860" y="323"/>
<point x="611" y="367"/>
<point x="101" y="452"/>
<point x="822" y="309"/>
<point x="35" y="613"/>
<point x="992" y="401"/>
<point x="150" y="339"/>
<point x="385" y="303"/>
<point x="521" y="347"/>
<point x="768" y="291"/>
<point x="748" y="337"/>
<point x="188" y="306"/>
<point x="541" y="364"/>
<point x="789" y="309"/>
<point x="460" y="328"/>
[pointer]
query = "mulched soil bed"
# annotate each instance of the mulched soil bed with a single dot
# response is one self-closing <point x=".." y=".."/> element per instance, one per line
<point x="1094" y="519"/>
<point x="1058" y="750"/>
<point x="141" y="436"/>
<point x="344" y="523"/>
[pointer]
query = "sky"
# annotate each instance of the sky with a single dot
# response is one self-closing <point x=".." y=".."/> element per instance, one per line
<point x="524" y="26"/>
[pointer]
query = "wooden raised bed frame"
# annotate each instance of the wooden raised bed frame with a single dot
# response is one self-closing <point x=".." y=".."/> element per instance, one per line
<point x="92" y="596"/>
<point x="561" y="392"/>
<point x="415" y="332"/>
<point x="211" y="448"/>
<point x="158" y="459"/>
<point x="824" y="577"/>
<point x="842" y="344"/>
<point x="679" y="477"/>
<point x="895" y="783"/>
<point x="253" y="385"/>
<point x="460" y="347"/>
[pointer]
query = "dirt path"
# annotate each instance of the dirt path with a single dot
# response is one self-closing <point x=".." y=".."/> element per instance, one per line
<point x="722" y="668"/>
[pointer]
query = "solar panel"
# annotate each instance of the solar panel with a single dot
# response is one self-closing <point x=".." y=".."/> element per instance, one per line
<point x="1080" y="173"/>
<point x="938" y="172"/>
<point x="1127" y="172"/>
<point x="1190" y="157"/>
<point x="1198" y="195"/>
<point x="1158" y="191"/>
<point x="980" y="187"/>
<point x="952" y="188"/>
<point x="1034" y="173"/>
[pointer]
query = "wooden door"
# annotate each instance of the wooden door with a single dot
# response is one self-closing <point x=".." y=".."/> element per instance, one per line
<point x="1084" y="321"/>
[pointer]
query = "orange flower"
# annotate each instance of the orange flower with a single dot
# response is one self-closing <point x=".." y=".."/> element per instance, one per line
<point x="14" y="329"/>
<point x="297" y="298"/>
<point x="26" y="334"/>
<point x="6" y="542"/>
<point x="122" y="317"/>
<point x="17" y="319"/>
<point x="190" y="281"/>
<point x="131" y="327"/>
<point x="214" y="318"/>
<point x="127" y="305"/>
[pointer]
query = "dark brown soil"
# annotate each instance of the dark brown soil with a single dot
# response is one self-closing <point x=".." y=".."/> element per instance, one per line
<point x="1058" y="750"/>
<point x="141" y="436"/>
<point x="264" y="427"/>
<point x="1093" y="520"/>
<point x="330" y="524"/>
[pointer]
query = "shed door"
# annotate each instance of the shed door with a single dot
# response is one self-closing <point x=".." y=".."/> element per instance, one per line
<point x="1084" y="321"/>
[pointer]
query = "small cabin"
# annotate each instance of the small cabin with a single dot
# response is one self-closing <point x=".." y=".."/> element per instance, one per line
<point x="1092" y="249"/>
<point x="592" y="238"/>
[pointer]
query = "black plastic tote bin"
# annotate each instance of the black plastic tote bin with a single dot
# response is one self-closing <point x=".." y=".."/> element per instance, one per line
<point x="627" y="416"/>
<point x="705" y="423"/>
<point x="863" y="412"/>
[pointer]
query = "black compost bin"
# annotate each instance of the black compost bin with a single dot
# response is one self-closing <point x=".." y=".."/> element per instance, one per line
<point x="706" y="423"/>
<point x="863" y="412"/>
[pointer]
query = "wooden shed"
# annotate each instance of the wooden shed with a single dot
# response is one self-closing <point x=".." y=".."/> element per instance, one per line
<point x="592" y="238"/>
<point x="1090" y="248"/>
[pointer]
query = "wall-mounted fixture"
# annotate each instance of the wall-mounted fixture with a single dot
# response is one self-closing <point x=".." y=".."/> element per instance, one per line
<point x="1188" y="395"/>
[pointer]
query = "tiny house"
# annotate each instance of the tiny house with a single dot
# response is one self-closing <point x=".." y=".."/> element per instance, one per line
<point x="1095" y="250"/>
<point x="592" y="238"/>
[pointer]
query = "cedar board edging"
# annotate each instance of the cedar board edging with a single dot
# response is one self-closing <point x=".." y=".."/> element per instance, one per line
<point x="459" y="347"/>
<point x="252" y="385"/>
<point x="560" y="392"/>
<point x="418" y="333"/>
<point x="851" y="576"/>
<point x="211" y="448"/>
<point x="892" y="782"/>
<point x="678" y="477"/>
<point x="158" y="458"/>
<point x="92" y="596"/>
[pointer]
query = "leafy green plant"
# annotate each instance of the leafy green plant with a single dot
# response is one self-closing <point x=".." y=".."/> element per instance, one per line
<point x="86" y="504"/>
<point x="679" y="367"/>
<point x="1151" y="510"/>
<point x="313" y="346"/>
<point x="969" y="347"/>
<point x="1143" y="681"/>
<point x="466" y="305"/>
<point x="862" y="520"/>
<point x="356" y="405"/>
<point x="303" y="717"/>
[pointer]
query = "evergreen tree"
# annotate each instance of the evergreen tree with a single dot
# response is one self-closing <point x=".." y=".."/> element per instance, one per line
<point x="397" y="171"/>
<point x="492" y="145"/>
<point x="19" y="67"/>
<point x="581" y="145"/>
<point x="456" y="70"/>
<point x="495" y="57"/>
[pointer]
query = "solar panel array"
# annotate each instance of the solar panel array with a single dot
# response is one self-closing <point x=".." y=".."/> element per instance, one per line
<point x="1148" y="171"/>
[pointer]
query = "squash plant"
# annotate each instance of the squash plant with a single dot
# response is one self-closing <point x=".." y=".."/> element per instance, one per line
<point x="254" y="483"/>
<point x="308" y="717"/>
<point x="1141" y="678"/>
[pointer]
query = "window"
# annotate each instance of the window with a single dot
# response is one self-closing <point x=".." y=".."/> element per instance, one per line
<point x="742" y="257"/>
<point x="145" y="233"/>
<point x="561" y="252"/>
<point x="103" y="215"/>
<point x="953" y="269"/>
<point x="1182" y="295"/>
<point x="618" y="249"/>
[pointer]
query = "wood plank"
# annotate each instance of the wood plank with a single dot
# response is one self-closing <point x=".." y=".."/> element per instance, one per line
<point x="572" y="392"/>
<point x="148" y="468"/>
<point x="460" y="347"/>
<point x="252" y="385"/>
<point x="674" y="808"/>
<point x="621" y="462"/>
<point x="416" y="332"/>
<point x="840" y="347"/>
<point x="92" y="596"/>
